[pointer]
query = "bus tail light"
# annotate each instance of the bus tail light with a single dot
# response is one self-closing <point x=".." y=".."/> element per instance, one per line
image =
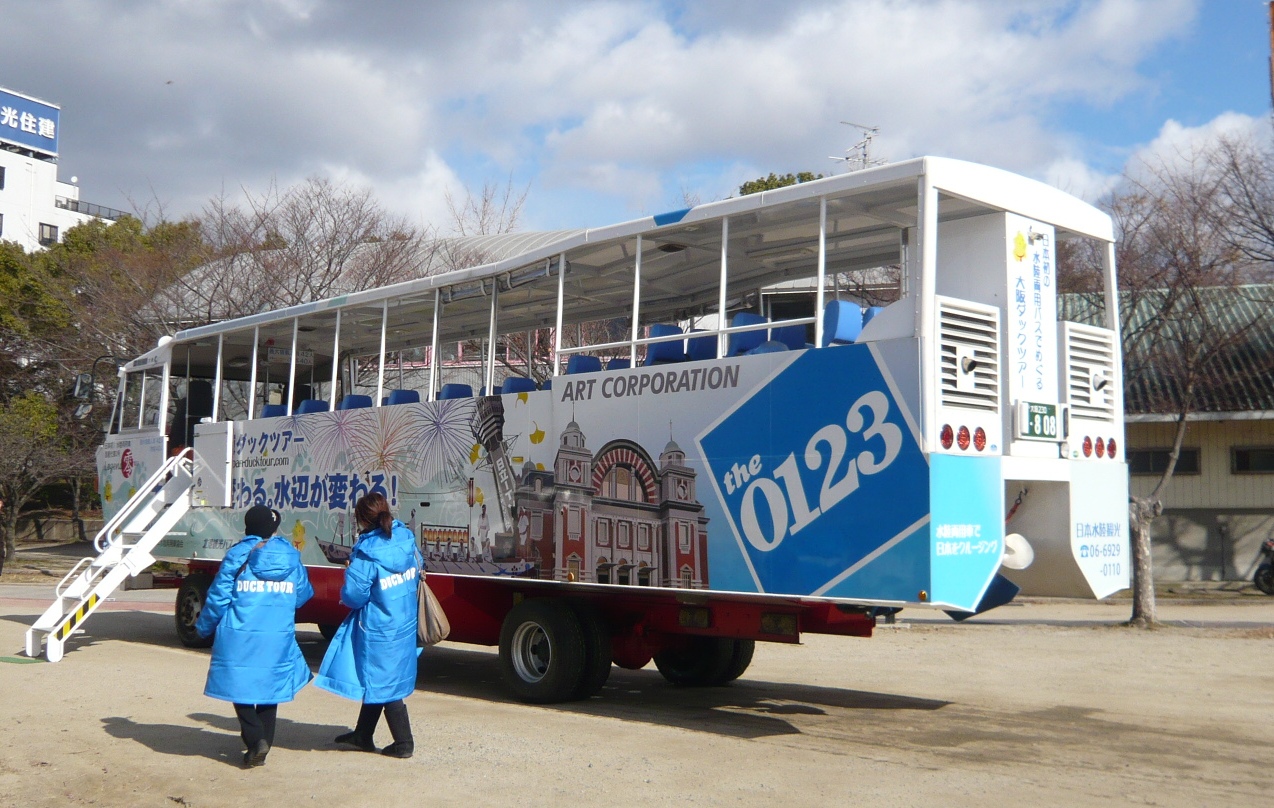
<point x="962" y="438"/>
<point x="1088" y="446"/>
<point x="947" y="436"/>
<point x="1110" y="448"/>
<point x="1101" y="448"/>
<point x="979" y="439"/>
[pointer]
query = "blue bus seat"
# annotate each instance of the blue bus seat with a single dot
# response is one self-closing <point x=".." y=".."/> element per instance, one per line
<point x="661" y="353"/>
<point x="742" y="343"/>
<point x="619" y="364"/>
<point x="842" y="323"/>
<point x="793" y="336"/>
<point x="482" y="391"/>
<point x="547" y="384"/>
<point x="701" y="348"/>
<point x="453" y="390"/>
<point x="579" y="363"/>
<point x="769" y="346"/>
<point x="402" y="397"/>
<point x="310" y="405"/>
<point x="354" y="401"/>
<point x="871" y="313"/>
<point x="274" y="410"/>
<point x="518" y="384"/>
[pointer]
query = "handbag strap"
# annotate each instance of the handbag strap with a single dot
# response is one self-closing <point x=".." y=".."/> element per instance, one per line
<point x="248" y="557"/>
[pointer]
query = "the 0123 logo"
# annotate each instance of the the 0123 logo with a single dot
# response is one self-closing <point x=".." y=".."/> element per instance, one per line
<point x="816" y="470"/>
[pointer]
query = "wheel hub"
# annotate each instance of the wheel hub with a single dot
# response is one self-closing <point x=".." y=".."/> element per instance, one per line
<point x="532" y="652"/>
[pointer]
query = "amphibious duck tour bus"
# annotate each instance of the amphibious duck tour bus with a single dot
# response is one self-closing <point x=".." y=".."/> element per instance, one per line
<point x="688" y="466"/>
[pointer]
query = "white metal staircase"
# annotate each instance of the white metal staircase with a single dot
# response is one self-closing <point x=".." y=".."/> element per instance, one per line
<point x="124" y="546"/>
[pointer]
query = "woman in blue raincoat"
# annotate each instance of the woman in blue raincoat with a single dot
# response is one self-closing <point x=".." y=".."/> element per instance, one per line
<point x="372" y="657"/>
<point x="251" y="606"/>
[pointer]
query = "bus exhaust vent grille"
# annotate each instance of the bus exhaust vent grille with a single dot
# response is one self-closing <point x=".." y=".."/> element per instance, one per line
<point x="969" y="354"/>
<point x="1091" y="387"/>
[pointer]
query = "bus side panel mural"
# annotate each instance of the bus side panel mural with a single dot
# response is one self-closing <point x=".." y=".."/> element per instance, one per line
<point x="123" y="465"/>
<point x="726" y="476"/>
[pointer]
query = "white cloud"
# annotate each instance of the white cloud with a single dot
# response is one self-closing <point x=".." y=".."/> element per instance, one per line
<point x="968" y="79"/>
<point x="623" y="101"/>
<point x="1177" y="145"/>
<point x="1079" y="179"/>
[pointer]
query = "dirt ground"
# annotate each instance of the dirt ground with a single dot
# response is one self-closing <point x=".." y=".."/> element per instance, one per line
<point x="1047" y="703"/>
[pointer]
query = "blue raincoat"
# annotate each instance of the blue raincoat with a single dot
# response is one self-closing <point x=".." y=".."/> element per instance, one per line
<point x="372" y="657"/>
<point x="255" y="658"/>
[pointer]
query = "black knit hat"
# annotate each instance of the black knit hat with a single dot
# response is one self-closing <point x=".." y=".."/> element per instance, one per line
<point x="261" y="521"/>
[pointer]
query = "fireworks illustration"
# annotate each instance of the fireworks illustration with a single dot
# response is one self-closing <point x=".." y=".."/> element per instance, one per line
<point x="443" y="434"/>
<point x="391" y="446"/>
<point x="334" y="434"/>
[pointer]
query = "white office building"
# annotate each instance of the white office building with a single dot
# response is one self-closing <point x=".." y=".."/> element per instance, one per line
<point x="35" y="207"/>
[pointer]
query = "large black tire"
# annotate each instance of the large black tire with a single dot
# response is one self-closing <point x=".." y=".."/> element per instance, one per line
<point x="740" y="659"/>
<point x="542" y="651"/>
<point x="702" y="662"/>
<point x="597" y="650"/>
<point x="1264" y="578"/>
<point x="190" y="600"/>
<point x="328" y="630"/>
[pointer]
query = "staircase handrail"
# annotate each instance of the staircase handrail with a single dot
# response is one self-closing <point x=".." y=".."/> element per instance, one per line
<point x="70" y="575"/>
<point x="136" y="502"/>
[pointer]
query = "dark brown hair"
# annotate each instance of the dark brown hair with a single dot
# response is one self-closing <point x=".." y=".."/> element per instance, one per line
<point x="372" y="511"/>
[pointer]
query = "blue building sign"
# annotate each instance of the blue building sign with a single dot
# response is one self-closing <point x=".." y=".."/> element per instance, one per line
<point x="28" y="123"/>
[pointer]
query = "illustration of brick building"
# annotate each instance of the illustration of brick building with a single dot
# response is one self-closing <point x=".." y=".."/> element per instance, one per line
<point x="616" y="517"/>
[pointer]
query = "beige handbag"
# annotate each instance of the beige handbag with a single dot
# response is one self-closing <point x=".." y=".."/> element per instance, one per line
<point x="432" y="626"/>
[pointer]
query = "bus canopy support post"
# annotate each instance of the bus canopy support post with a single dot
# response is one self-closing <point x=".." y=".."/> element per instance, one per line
<point x="433" y="343"/>
<point x="489" y="372"/>
<point x="822" y="272"/>
<point x="928" y="220"/>
<point x="216" y="379"/>
<point x="336" y="352"/>
<point x="252" y="377"/>
<point x="1112" y="318"/>
<point x="632" y="345"/>
<point x="561" y="297"/>
<point x="292" y="366"/>
<point x="165" y="379"/>
<point x="1112" y="293"/>
<point x="721" y="316"/>
<point x="380" y="367"/>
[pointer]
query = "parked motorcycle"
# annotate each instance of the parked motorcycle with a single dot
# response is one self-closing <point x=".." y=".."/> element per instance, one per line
<point x="1264" y="577"/>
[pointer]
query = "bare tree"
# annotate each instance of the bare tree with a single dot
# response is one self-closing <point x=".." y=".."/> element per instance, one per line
<point x="1246" y="170"/>
<point x="282" y="248"/>
<point x="494" y="210"/>
<point x="1188" y="314"/>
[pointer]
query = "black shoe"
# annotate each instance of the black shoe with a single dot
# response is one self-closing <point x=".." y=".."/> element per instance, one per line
<point x="399" y="749"/>
<point x="356" y="740"/>
<point x="256" y="755"/>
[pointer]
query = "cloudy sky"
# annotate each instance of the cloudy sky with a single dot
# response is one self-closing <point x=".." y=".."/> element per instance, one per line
<point x="610" y="110"/>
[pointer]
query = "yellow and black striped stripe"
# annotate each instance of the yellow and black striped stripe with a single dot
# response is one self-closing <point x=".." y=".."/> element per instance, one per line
<point x="77" y="618"/>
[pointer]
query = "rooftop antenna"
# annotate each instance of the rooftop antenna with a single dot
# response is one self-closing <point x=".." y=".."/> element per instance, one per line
<point x="858" y="156"/>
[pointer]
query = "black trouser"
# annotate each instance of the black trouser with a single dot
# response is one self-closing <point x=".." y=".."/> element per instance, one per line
<point x="256" y="721"/>
<point x="395" y="716"/>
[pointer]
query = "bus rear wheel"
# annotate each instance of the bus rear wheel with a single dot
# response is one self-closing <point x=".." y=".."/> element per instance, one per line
<point x="740" y="659"/>
<point x="700" y="662"/>
<point x="542" y="651"/>
<point x="597" y="651"/>
<point x="191" y="597"/>
<point x="328" y="630"/>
